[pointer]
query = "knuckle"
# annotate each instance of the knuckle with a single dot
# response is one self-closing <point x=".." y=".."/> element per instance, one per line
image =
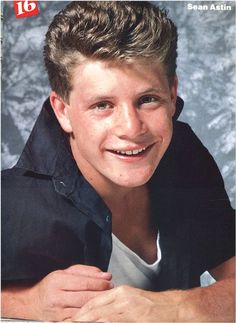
<point x="49" y="277"/>
<point x="96" y="269"/>
<point x="123" y="289"/>
<point x="56" y="273"/>
<point x="53" y="301"/>
<point x="53" y="279"/>
<point x="84" y="267"/>
<point x="90" y="306"/>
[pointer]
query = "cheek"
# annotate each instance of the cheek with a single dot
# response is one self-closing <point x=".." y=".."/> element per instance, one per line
<point x="88" y="134"/>
<point x="162" y="126"/>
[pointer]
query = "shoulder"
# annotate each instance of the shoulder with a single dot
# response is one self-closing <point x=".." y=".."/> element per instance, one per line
<point x="198" y="172"/>
<point x="190" y="177"/>
<point x="31" y="199"/>
<point x="186" y="141"/>
<point x="15" y="175"/>
<point x="18" y="182"/>
<point x="194" y="161"/>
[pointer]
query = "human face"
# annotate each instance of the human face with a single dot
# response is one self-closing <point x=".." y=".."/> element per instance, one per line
<point x="120" y="120"/>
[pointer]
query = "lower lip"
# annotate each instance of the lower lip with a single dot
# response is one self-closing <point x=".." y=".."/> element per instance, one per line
<point x="132" y="158"/>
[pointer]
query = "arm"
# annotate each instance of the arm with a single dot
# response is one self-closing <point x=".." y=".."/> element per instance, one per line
<point x="57" y="296"/>
<point x="217" y="301"/>
<point x="212" y="303"/>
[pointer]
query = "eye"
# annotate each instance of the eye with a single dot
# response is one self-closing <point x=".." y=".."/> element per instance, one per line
<point x="103" y="106"/>
<point x="147" y="99"/>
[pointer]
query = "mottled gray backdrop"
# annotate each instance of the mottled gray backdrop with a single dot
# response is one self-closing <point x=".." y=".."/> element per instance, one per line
<point x="206" y="71"/>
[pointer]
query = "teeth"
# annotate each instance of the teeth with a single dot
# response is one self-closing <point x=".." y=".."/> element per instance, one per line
<point x="130" y="152"/>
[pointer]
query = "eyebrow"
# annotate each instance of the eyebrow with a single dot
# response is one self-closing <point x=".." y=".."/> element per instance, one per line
<point x="152" y="89"/>
<point x="101" y="98"/>
<point x="104" y="97"/>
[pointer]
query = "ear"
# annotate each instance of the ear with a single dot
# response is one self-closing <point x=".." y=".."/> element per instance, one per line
<point x="60" y="109"/>
<point x="173" y="92"/>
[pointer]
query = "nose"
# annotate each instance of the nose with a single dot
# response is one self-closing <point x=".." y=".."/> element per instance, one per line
<point x="128" y="122"/>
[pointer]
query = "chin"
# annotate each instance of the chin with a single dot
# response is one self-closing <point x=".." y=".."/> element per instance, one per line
<point x="134" y="181"/>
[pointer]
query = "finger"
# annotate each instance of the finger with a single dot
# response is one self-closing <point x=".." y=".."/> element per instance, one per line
<point x="98" y="315"/>
<point x="82" y="283"/>
<point x="89" y="271"/>
<point x="114" y="311"/>
<point x="62" y="315"/>
<point x="86" y="317"/>
<point x="76" y="299"/>
<point x="102" y="299"/>
<point x="84" y="268"/>
<point x="68" y="314"/>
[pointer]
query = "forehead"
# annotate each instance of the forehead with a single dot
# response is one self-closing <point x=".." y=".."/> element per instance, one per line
<point x="97" y="74"/>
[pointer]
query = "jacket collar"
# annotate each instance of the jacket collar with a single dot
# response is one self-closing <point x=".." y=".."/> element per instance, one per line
<point x="179" y="108"/>
<point x="46" y="145"/>
<point x="47" y="151"/>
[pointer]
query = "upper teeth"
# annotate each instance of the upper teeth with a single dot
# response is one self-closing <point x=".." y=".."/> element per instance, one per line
<point x="130" y="152"/>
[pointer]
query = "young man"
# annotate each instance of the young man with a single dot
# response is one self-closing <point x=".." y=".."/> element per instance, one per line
<point x="111" y="189"/>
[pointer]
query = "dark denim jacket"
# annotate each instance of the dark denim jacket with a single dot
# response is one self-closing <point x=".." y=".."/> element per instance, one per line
<point x="52" y="218"/>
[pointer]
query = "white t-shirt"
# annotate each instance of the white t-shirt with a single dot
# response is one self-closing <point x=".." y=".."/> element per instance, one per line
<point x="128" y="268"/>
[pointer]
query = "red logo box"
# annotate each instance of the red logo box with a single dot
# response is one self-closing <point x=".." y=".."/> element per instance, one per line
<point x="26" y="8"/>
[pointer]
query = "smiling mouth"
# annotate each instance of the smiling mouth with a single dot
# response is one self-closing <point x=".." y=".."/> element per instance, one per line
<point x="131" y="153"/>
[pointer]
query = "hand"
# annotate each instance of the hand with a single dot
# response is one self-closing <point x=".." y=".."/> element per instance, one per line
<point x="215" y="303"/>
<point x="128" y="304"/>
<point x="57" y="296"/>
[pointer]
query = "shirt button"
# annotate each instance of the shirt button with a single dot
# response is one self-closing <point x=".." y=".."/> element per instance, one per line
<point x="107" y="218"/>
